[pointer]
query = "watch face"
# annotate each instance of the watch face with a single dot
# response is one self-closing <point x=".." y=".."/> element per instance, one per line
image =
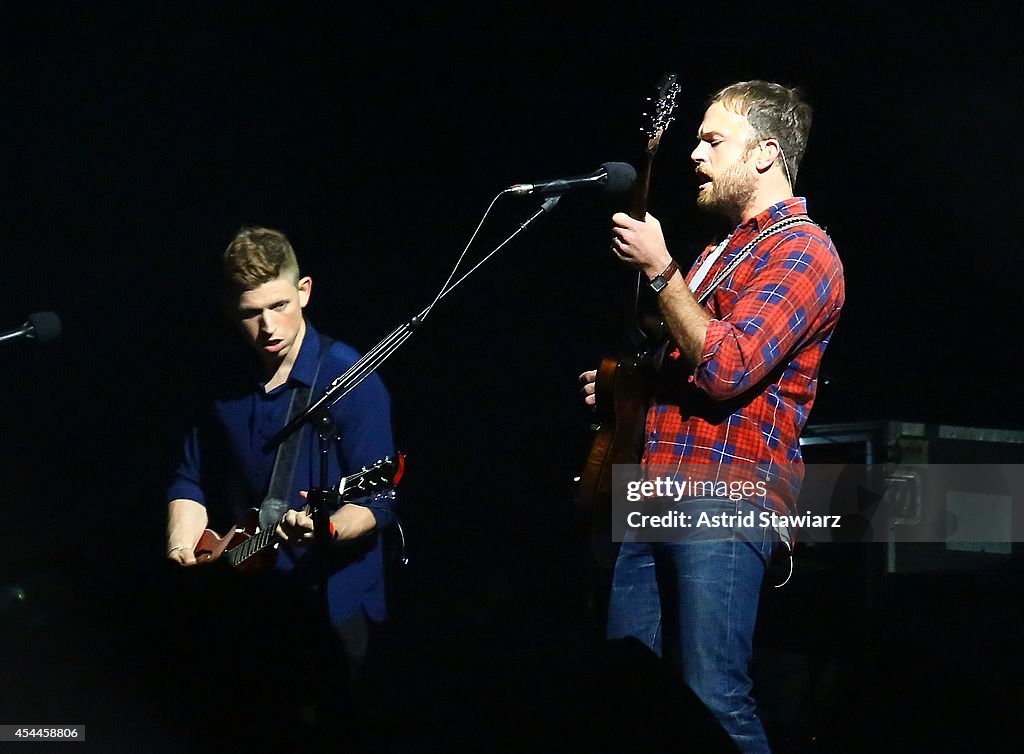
<point x="658" y="283"/>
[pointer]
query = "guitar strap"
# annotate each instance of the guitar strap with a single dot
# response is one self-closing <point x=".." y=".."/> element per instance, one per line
<point x="275" y="504"/>
<point x="705" y="267"/>
<point x="781" y="225"/>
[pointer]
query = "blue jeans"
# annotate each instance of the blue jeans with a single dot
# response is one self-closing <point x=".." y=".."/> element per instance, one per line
<point x="694" y="602"/>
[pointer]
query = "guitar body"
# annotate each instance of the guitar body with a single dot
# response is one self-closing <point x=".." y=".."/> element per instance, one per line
<point x="212" y="546"/>
<point x="625" y="382"/>
<point x="622" y="390"/>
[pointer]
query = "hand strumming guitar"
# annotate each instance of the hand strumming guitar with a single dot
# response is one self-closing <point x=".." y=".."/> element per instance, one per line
<point x="186" y="520"/>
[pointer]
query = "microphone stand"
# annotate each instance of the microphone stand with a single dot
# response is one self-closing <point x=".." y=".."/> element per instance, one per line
<point x="381" y="352"/>
<point x="324" y="498"/>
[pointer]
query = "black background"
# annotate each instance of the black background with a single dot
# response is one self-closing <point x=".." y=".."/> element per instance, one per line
<point x="136" y="142"/>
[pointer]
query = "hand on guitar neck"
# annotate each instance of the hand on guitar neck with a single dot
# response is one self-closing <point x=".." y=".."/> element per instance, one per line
<point x="295" y="527"/>
<point x="348" y="522"/>
<point x="588" y="387"/>
<point x="190" y="542"/>
<point x="640" y="243"/>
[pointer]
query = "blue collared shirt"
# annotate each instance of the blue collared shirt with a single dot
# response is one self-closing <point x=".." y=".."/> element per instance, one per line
<point x="227" y="468"/>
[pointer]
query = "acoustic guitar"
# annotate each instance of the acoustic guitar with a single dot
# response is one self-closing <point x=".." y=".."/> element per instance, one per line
<point x="245" y="546"/>
<point x="623" y="387"/>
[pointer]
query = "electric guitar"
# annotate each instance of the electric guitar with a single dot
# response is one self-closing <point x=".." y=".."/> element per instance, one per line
<point x="623" y="388"/>
<point x="245" y="546"/>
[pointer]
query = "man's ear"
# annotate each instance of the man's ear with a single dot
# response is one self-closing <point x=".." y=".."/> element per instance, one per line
<point x="767" y="153"/>
<point x="305" y="286"/>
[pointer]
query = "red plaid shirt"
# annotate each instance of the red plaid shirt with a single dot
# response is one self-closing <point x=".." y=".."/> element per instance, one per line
<point x="738" y="415"/>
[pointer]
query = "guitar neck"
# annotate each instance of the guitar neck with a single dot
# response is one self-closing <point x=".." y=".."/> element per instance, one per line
<point x="659" y="119"/>
<point x="641" y="188"/>
<point x="382" y="475"/>
<point x="250" y="547"/>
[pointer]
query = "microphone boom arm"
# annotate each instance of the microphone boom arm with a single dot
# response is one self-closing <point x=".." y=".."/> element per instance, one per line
<point x="372" y="359"/>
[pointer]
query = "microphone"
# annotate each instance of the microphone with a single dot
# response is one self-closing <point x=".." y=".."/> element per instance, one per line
<point x="41" y="326"/>
<point x="613" y="177"/>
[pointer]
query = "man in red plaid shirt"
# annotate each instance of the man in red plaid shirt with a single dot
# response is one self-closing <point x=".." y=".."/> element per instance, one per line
<point x="732" y="394"/>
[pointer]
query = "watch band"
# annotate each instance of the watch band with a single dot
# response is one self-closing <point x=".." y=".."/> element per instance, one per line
<point x="660" y="281"/>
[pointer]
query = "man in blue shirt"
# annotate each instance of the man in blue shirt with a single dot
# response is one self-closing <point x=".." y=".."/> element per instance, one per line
<point x="226" y="466"/>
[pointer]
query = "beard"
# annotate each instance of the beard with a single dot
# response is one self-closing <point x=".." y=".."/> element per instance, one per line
<point x="731" y="192"/>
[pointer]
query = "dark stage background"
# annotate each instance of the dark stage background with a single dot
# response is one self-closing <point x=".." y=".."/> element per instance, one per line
<point x="135" y="143"/>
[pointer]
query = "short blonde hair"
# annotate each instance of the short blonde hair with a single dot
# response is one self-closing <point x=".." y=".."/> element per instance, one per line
<point x="774" y="112"/>
<point x="256" y="256"/>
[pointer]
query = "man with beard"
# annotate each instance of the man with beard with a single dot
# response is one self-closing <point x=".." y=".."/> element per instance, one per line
<point x="748" y="327"/>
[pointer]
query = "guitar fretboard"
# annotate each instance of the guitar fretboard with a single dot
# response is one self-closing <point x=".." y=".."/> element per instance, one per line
<point x="248" y="548"/>
<point x="381" y="475"/>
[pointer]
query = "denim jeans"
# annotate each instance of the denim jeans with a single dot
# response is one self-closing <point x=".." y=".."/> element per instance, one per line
<point x="694" y="602"/>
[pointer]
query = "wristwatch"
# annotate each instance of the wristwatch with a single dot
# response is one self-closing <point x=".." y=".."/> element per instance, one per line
<point x="660" y="281"/>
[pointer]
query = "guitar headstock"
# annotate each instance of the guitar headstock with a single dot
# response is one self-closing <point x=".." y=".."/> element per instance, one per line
<point x="382" y="475"/>
<point x="662" y="111"/>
